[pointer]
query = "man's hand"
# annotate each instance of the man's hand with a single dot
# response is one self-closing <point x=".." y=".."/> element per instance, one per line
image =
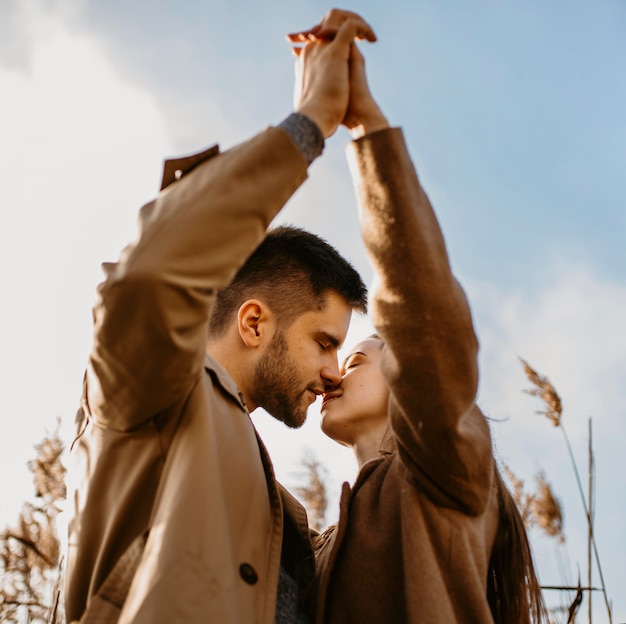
<point x="322" y="88"/>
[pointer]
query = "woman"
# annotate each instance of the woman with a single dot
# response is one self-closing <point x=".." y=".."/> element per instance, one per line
<point x="362" y="569"/>
<point x="428" y="532"/>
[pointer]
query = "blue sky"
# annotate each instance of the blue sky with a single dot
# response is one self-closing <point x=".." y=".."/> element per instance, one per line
<point x="514" y="115"/>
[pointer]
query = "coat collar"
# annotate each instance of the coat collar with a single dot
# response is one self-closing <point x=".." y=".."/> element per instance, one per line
<point x="388" y="444"/>
<point x="222" y="377"/>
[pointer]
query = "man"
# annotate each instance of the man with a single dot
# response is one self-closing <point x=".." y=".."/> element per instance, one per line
<point x="178" y="517"/>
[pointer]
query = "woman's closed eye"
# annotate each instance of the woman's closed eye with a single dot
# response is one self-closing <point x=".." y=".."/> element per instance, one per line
<point x="353" y="360"/>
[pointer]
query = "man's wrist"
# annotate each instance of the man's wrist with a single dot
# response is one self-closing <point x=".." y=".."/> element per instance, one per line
<point x="306" y="135"/>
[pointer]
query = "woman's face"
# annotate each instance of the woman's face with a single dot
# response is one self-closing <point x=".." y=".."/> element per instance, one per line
<point x="360" y="402"/>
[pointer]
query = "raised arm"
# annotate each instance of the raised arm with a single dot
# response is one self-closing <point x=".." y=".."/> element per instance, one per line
<point x="418" y="307"/>
<point x="152" y="309"/>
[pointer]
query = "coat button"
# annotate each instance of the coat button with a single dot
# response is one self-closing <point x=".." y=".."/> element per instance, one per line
<point x="248" y="573"/>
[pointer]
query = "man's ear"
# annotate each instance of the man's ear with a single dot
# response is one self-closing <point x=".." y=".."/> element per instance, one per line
<point x="254" y="322"/>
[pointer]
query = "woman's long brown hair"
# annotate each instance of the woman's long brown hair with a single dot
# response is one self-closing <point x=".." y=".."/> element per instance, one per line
<point x="513" y="590"/>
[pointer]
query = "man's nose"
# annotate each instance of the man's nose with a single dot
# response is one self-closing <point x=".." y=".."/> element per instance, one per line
<point x="331" y="387"/>
<point x="331" y="376"/>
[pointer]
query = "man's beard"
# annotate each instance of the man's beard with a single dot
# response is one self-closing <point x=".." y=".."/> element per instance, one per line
<point x="276" y="384"/>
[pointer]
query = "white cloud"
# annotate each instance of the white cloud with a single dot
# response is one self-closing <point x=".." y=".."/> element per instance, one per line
<point x="570" y="330"/>
<point x="81" y="151"/>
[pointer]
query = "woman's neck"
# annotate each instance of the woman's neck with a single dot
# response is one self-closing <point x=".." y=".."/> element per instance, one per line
<point x="367" y="445"/>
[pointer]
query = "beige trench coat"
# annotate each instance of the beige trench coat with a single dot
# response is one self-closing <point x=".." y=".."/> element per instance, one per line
<point x="165" y="441"/>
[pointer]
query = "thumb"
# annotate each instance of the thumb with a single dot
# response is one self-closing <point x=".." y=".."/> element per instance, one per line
<point x="346" y="34"/>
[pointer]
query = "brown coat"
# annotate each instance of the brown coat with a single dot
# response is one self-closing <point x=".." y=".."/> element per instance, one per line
<point x="165" y="441"/>
<point x="415" y="531"/>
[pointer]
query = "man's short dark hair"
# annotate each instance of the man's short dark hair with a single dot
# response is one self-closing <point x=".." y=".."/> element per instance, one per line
<point x="292" y="271"/>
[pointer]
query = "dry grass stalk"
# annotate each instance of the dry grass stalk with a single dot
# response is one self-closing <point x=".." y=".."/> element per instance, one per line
<point x="48" y="470"/>
<point x="540" y="509"/>
<point x="523" y="499"/>
<point x="313" y="493"/>
<point x="546" y="509"/>
<point x="546" y="392"/>
<point x="30" y="551"/>
<point x="554" y="411"/>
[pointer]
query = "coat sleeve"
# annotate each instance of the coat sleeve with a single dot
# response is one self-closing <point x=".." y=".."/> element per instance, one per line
<point x="151" y="311"/>
<point x="420" y="310"/>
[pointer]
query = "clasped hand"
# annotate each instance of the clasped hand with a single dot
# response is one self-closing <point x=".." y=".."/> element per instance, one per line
<point x="331" y="85"/>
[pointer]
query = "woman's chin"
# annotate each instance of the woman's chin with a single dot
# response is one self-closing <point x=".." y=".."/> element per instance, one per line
<point x="332" y="429"/>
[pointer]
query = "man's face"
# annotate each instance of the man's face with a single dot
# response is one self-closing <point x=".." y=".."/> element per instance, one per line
<point x="300" y="361"/>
